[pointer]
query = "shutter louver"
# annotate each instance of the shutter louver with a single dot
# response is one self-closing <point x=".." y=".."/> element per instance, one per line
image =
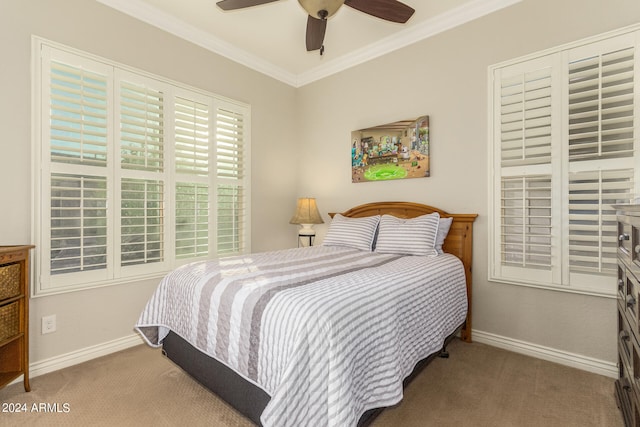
<point x="192" y="137"/>
<point x="525" y="119"/>
<point x="601" y="106"/>
<point x="141" y="128"/>
<point x="78" y="116"/>
<point x="78" y="223"/>
<point x="192" y="220"/>
<point x="592" y="220"/>
<point x="142" y="223"/>
<point x="526" y="221"/>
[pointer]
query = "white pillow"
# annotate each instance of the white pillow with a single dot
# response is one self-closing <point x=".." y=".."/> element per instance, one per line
<point x="443" y="230"/>
<point x="415" y="236"/>
<point x="357" y="233"/>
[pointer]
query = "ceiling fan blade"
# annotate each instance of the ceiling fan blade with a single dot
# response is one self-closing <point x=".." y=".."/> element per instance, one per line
<point x="240" y="4"/>
<point x="389" y="10"/>
<point x="315" y="32"/>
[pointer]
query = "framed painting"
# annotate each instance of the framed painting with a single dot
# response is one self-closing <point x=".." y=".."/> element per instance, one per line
<point x="398" y="150"/>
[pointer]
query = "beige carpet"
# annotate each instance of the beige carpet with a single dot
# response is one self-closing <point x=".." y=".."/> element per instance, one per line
<point x="478" y="385"/>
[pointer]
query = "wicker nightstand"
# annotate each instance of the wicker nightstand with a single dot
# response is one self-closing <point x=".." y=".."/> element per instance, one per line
<point x="14" y="314"/>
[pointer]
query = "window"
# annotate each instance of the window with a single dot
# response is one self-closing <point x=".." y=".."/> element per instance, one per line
<point x="134" y="174"/>
<point x="563" y="151"/>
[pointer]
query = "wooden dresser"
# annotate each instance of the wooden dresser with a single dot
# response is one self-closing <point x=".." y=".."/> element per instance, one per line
<point x="14" y="314"/>
<point x="627" y="389"/>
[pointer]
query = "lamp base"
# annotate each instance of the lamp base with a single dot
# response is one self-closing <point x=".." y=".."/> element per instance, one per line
<point x="306" y="230"/>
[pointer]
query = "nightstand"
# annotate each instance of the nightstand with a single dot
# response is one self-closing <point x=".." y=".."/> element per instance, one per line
<point x="14" y="314"/>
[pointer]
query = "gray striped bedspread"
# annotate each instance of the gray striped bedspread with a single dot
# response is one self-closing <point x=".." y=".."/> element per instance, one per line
<point x="327" y="332"/>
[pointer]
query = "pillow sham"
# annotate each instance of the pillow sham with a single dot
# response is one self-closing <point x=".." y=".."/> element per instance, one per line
<point x="443" y="231"/>
<point x="415" y="236"/>
<point x="357" y="233"/>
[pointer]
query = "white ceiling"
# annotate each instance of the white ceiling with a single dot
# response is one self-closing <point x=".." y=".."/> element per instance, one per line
<point x="271" y="38"/>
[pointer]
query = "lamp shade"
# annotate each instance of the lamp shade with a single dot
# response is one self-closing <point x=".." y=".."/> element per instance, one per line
<point x="306" y="214"/>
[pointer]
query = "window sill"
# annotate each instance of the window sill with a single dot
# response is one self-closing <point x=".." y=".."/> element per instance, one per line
<point x="573" y="290"/>
<point x="38" y="292"/>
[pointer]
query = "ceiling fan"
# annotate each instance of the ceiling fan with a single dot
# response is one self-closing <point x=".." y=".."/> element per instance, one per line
<point x="320" y="10"/>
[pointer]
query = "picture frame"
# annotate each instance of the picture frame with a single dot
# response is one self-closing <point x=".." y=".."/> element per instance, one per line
<point x="395" y="151"/>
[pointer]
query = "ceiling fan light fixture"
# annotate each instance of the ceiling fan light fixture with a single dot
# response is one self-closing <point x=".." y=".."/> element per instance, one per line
<point x="319" y="10"/>
<point x="314" y="7"/>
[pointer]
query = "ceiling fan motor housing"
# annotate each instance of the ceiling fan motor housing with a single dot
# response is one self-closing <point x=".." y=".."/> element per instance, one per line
<point x="315" y="8"/>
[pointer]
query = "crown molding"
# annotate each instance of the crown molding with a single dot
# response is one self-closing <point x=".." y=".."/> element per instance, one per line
<point x="438" y="24"/>
<point x="142" y="11"/>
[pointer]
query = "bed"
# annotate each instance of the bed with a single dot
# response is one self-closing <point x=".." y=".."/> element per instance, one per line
<point x="323" y="335"/>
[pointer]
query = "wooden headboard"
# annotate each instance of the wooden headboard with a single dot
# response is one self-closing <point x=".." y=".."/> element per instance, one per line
<point x="459" y="241"/>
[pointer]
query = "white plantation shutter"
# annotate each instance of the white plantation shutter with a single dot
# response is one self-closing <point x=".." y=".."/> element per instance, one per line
<point x="141" y="127"/>
<point x="526" y="221"/>
<point x="78" y="115"/>
<point x="229" y="143"/>
<point x="231" y="213"/>
<point x="601" y="152"/>
<point x="525" y="117"/>
<point x="525" y="123"/>
<point x="142" y="221"/>
<point x="75" y="160"/>
<point x="192" y="220"/>
<point x="191" y="137"/>
<point x="601" y="106"/>
<point x="135" y="175"/>
<point x="142" y="172"/>
<point x="78" y="223"/>
<point x="231" y="205"/>
<point x="592" y="221"/>
<point x="192" y="166"/>
<point x="564" y="152"/>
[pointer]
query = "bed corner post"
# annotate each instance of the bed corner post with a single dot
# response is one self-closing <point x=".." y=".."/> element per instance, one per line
<point x="465" y="332"/>
<point x="467" y="250"/>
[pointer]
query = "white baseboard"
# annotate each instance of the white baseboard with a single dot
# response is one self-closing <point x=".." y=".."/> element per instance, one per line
<point x="83" y="355"/>
<point x="573" y="360"/>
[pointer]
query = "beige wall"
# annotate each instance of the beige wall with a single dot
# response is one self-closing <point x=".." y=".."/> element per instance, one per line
<point x="445" y="77"/>
<point x="90" y="318"/>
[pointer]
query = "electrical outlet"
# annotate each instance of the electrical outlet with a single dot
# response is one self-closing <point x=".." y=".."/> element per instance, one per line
<point x="48" y="324"/>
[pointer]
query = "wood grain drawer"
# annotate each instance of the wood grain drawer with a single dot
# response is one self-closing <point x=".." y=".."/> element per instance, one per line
<point x="625" y="231"/>
<point x="628" y="374"/>
<point x="12" y="254"/>
<point x="632" y="288"/>
<point x="625" y="337"/>
<point x="622" y="283"/>
<point x="9" y="320"/>
<point x="629" y="242"/>
<point x="9" y="281"/>
<point x="634" y="249"/>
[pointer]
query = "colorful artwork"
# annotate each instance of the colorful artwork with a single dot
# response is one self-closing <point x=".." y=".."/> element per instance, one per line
<point x="396" y="150"/>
